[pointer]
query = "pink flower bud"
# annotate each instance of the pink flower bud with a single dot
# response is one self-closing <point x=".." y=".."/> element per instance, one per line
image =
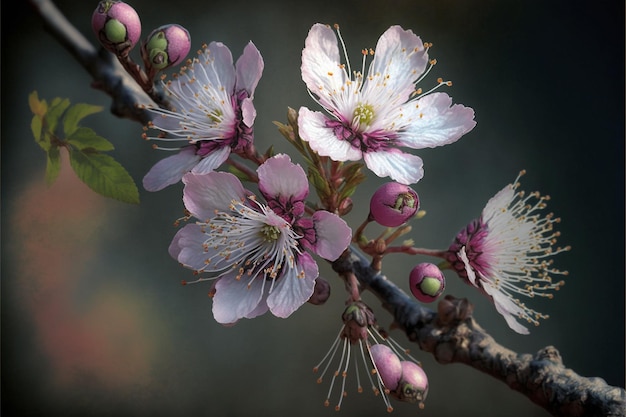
<point x="117" y="26"/>
<point x="321" y="292"/>
<point x="167" y="46"/>
<point x="393" y="204"/>
<point x="387" y="364"/>
<point x="413" y="385"/>
<point x="427" y="282"/>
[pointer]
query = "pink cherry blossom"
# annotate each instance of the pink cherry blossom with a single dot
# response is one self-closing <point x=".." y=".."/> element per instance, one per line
<point x="506" y="252"/>
<point x="371" y="115"/>
<point x="256" y="250"/>
<point x="211" y="111"/>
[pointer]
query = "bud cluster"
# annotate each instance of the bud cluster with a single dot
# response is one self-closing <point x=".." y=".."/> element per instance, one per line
<point x="118" y="28"/>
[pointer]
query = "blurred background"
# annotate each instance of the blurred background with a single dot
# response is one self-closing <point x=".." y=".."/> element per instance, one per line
<point x="95" y="321"/>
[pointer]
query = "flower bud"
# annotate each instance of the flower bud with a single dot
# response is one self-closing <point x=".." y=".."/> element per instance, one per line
<point x="387" y="365"/>
<point x="393" y="204"/>
<point x="321" y="292"/>
<point x="427" y="282"/>
<point x="117" y="26"/>
<point x="413" y="385"/>
<point x="167" y="46"/>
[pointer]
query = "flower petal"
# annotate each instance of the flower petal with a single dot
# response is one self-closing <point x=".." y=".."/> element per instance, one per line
<point x="203" y="194"/>
<point x="400" y="59"/>
<point x="248" y="112"/>
<point x="216" y="68"/>
<point x="322" y="139"/>
<point x="249" y="69"/>
<point x="279" y="177"/>
<point x="294" y="287"/>
<point x="431" y="121"/>
<point x="236" y="298"/>
<point x="212" y="160"/>
<point x="187" y="247"/>
<point x="402" y="167"/>
<point x="333" y="235"/>
<point x="321" y="70"/>
<point x="170" y="170"/>
<point x="506" y="307"/>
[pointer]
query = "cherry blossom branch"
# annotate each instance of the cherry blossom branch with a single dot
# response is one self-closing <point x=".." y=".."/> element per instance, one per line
<point x="453" y="336"/>
<point x="107" y="73"/>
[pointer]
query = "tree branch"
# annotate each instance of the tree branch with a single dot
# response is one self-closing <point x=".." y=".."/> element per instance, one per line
<point x="452" y="335"/>
<point x="107" y="73"/>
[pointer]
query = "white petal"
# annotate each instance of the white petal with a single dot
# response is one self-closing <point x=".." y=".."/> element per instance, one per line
<point x="506" y="307"/>
<point x="212" y="160"/>
<point x="321" y="69"/>
<point x="291" y="291"/>
<point x="249" y="69"/>
<point x="431" y="121"/>
<point x="402" y="167"/>
<point x="170" y="170"/>
<point x="235" y="298"/>
<point x="216" y="67"/>
<point x="203" y="194"/>
<point x="471" y="275"/>
<point x="322" y="139"/>
<point x="278" y="176"/>
<point x="399" y="60"/>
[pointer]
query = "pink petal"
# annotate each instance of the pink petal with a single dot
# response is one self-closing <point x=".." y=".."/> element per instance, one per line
<point x="170" y="170"/>
<point x="212" y="160"/>
<point x="292" y="290"/>
<point x="249" y="69"/>
<point x="435" y="122"/>
<point x="205" y="193"/>
<point x="236" y="298"/>
<point x="216" y="68"/>
<point x="187" y="247"/>
<point x="248" y="112"/>
<point x="333" y="235"/>
<point x="312" y="126"/>
<point x="278" y="176"/>
<point x="402" y="167"/>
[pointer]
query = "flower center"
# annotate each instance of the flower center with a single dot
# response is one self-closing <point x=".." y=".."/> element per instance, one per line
<point x="269" y="233"/>
<point x="363" y="114"/>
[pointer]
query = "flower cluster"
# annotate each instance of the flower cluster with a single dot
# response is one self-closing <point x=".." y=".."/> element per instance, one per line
<point x="254" y="250"/>
<point x="258" y="249"/>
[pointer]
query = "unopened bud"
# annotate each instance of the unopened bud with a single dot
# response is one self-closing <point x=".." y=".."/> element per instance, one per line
<point x="427" y="282"/>
<point x="117" y="26"/>
<point x="393" y="204"/>
<point x="321" y="292"/>
<point x="413" y="385"/>
<point x="387" y="365"/>
<point x="167" y="46"/>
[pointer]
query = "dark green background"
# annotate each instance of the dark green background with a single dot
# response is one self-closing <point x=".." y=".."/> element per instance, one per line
<point x="546" y="79"/>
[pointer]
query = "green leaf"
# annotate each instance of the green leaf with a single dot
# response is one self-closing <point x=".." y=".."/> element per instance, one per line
<point x="85" y="138"/>
<point x="104" y="175"/>
<point x="75" y="114"/>
<point x="38" y="107"/>
<point x="35" y="127"/>
<point x="53" y="165"/>
<point x="56" y="109"/>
